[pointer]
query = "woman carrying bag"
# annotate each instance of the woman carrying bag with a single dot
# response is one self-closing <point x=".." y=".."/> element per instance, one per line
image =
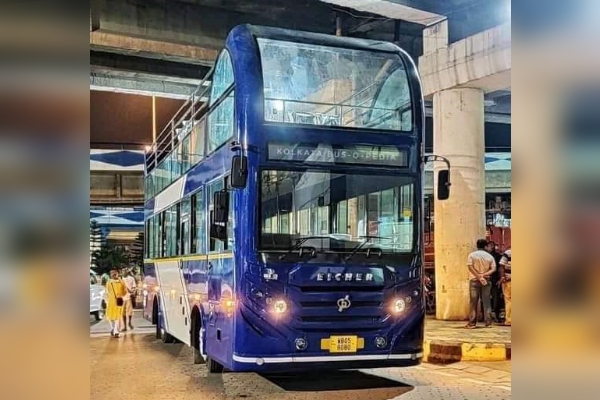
<point x="115" y="291"/>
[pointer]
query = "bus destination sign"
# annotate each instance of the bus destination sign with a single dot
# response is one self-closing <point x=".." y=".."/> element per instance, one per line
<point x="348" y="154"/>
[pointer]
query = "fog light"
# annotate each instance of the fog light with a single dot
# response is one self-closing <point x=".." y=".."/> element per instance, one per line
<point x="399" y="306"/>
<point x="279" y="306"/>
<point x="229" y="306"/>
<point x="301" y="344"/>
<point x="380" y="342"/>
<point x="415" y="293"/>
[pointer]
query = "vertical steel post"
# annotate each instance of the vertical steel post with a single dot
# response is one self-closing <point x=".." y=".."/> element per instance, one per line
<point x="338" y="25"/>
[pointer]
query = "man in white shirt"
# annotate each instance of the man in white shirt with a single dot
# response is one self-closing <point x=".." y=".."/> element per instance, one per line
<point x="130" y="284"/>
<point x="481" y="266"/>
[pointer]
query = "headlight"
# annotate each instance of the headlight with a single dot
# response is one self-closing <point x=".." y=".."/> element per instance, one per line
<point x="279" y="306"/>
<point x="399" y="306"/>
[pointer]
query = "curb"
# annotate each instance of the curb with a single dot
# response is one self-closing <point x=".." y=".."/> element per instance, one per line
<point x="443" y="352"/>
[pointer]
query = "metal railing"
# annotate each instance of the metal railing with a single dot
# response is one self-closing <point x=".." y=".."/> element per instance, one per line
<point x="337" y="117"/>
<point x="192" y="111"/>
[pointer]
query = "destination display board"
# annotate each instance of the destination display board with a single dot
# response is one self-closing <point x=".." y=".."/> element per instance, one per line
<point x="346" y="154"/>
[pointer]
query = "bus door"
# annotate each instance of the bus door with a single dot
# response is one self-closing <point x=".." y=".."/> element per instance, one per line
<point x="220" y="282"/>
<point x="174" y="298"/>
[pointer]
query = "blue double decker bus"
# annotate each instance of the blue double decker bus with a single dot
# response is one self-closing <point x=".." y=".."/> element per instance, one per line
<point x="284" y="207"/>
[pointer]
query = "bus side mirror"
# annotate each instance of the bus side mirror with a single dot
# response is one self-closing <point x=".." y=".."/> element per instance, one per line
<point x="221" y="202"/>
<point x="443" y="184"/>
<point x="239" y="171"/>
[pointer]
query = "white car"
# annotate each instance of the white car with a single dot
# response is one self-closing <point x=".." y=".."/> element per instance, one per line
<point x="97" y="297"/>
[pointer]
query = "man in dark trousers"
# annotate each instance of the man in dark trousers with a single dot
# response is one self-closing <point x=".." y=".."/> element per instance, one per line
<point x="496" y="289"/>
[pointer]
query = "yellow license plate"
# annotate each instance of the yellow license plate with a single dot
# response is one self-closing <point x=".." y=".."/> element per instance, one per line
<point x="343" y="344"/>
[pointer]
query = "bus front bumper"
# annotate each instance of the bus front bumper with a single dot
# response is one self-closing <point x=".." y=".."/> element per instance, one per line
<point x="297" y="362"/>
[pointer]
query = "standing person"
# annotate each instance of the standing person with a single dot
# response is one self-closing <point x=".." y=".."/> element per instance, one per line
<point x="505" y="278"/>
<point x="130" y="285"/>
<point x="481" y="266"/>
<point x="115" y="290"/>
<point x="496" y="288"/>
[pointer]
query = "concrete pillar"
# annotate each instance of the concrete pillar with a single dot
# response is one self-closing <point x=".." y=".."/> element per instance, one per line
<point x="458" y="134"/>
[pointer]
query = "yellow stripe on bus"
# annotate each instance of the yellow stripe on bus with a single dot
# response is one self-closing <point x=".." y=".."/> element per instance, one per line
<point x="192" y="257"/>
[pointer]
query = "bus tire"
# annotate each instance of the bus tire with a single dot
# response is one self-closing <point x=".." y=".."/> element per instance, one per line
<point x="155" y="313"/>
<point x="165" y="336"/>
<point x="197" y="340"/>
<point x="213" y="366"/>
<point x="198" y="359"/>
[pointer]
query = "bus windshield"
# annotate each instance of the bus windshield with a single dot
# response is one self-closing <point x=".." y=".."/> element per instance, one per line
<point x="345" y="208"/>
<point x="321" y="85"/>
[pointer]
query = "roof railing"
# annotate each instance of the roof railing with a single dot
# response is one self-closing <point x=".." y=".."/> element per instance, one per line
<point x="182" y="122"/>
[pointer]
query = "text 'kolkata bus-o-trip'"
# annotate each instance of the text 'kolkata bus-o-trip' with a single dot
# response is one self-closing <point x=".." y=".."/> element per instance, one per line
<point x="283" y="214"/>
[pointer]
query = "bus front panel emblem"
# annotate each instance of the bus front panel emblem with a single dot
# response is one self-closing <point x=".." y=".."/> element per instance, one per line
<point x="344" y="303"/>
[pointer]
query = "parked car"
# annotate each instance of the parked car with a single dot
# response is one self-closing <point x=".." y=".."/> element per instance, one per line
<point x="97" y="297"/>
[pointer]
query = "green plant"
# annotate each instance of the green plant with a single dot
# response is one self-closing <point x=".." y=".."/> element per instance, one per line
<point x="96" y="242"/>
<point x="137" y="251"/>
<point x="110" y="256"/>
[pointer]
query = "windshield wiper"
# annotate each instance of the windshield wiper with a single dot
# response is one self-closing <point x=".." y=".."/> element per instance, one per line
<point x="360" y="246"/>
<point x="299" y="243"/>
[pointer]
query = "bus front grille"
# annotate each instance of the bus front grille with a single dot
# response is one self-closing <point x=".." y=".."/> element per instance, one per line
<point x="319" y="310"/>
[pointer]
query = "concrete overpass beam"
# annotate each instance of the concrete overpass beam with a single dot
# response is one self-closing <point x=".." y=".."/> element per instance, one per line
<point x="435" y="37"/>
<point x="128" y="44"/>
<point x="480" y="61"/>
<point x="132" y="85"/>
<point x="391" y="9"/>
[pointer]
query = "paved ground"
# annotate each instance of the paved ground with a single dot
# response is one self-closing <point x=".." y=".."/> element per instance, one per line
<point x="102" y="328"/>
<point x="137" y="366"/>
<point x="455" y="332"/>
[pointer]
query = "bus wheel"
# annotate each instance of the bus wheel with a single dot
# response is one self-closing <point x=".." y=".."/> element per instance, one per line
<point x="155" y="318"/>
<point x="213" y="366"/>
<point x="198" y="358"/>
<point x="165" y="337"/>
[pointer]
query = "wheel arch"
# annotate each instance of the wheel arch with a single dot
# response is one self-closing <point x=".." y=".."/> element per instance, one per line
<point x="155" y="310"/>
<point x="196" y="320"/>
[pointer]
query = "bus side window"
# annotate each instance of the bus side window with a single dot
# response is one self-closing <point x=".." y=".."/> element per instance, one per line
<point x="199" y="223"/>
<point x="163" y="235"/>
<point x="215" y="245"/>
<point x="193" y="234"/>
